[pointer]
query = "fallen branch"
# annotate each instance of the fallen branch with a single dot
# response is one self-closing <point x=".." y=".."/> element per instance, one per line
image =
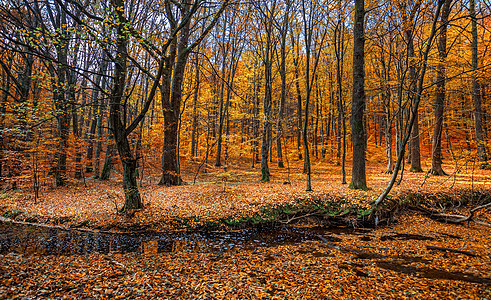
<point x="453" y="218"/>
<point x="480" y="207"/>
<point x="288" y="221"/>
<point x="482" y="223"/>
<point x="445" y="249"/>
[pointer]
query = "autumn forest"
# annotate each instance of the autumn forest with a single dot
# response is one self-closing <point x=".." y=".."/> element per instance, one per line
<point x="224" y="115"/>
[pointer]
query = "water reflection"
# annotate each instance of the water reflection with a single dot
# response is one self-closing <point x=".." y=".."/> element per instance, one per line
<point x="27" y="239"/>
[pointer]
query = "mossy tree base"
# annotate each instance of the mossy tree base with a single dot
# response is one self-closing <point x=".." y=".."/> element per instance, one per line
<point x="132" y="196"/>
<point x="265" y="175"/>
<point x="358" y="186"/>
<point x="169" y="179"/>
<point x="416" y="170"/>
<point x="438" y="172"/>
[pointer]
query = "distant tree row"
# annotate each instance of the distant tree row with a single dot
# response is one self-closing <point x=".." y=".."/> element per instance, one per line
<point x="85" y="82"/>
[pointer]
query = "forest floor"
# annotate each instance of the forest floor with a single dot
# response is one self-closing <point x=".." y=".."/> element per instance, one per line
<point x="413" y="258"/>
<point x="232" y="192"/>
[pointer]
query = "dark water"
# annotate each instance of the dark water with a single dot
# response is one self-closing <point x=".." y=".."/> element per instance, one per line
<point x="26" y="239"/>
<point x="30" y="240"/>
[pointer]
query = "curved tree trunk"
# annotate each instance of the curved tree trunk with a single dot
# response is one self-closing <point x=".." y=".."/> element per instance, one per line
<point x="400" y="155"/>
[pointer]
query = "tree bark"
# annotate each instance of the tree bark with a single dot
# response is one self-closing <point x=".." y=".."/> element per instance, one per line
<point x="194" y="133"/>
<point x="282" y="71"/>
<point x="96" y="115"/>
<point x="224" y="45"/>
<point x="171" y="107"/>
<point x="339" y="52"/>
<point x="132" y="195"/>
<point x="267" y="103"/>
<point x="439" y="106"/>
<point x="108" y="161"/>
<point x="415" y="153"/>
<point x="358" y="180"/>
<point x="296" y="58"/>
<point x="476" y="91"/>
<point x="61" y="104"/>
<point x="388" y="130"/>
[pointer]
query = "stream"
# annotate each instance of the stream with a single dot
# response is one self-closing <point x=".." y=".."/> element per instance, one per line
<point x="27" y="239"/>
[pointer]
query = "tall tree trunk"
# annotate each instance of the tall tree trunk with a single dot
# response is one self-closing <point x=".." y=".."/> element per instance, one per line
<point x="436" y="155"/>
<point x="224" y="45"/>
<point x="224" y="106"/>
<point x="6" y="83"/>
<point x="194" y="135"/>
<point x="317" y="118"/>
<point x="132" y="195"/>
<point x="308" y="88"/>
<point x="282" y="71"/>
<point x="255" y="123"/>
<point x="63" y="127"/>
<point x="339" y="51"/>
<point x="59" y="73"/>
<point x="476" y="91"/>
<point x="415" y="153"/>
<point x="313" y="48"/>
<point x="267" y="104"/>
<point x="108" y="159"/>
<point x="96" y="115"/>
<point x="358" y="180"/>
<point x="388" y="137"/>
<point x="296" y="58"/>
<point x="172" y="108"/>
<point x="100" y="133"/>
<point x="208" y="131"/>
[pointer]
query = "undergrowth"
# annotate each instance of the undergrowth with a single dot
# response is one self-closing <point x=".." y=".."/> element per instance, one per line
<point x="328" y="211"/>
<point x="325" y="210"/>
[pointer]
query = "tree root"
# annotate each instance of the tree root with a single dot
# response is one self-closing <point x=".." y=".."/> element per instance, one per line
<point x="453" y="218"/>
